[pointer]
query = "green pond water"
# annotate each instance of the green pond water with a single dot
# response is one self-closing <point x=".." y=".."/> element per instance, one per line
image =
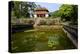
<point x="40" y="41"/>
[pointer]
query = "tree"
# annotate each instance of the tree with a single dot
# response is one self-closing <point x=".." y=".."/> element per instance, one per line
<point x="22" y="9"/>
<point x="55" y="14"/>
<point x="69" y="12"/>
<point x="66" y="11"/>
<point x="17" y="9"/>
<point x="75" y="14"/>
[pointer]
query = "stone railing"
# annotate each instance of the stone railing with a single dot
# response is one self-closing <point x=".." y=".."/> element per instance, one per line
<point x="72" y="33"/>
<point x="46" y="21"/>
<point x="22" y="21"/>
<point x="36" y="21"/>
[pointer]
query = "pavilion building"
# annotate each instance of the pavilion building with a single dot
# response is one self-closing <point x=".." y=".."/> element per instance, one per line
<point x="41" y="12"/>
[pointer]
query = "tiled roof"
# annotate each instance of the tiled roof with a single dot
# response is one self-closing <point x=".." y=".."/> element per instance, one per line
<point x="36" y="9"/>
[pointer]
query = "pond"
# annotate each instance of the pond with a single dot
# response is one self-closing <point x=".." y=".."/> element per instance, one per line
<point x="35" y="40"/>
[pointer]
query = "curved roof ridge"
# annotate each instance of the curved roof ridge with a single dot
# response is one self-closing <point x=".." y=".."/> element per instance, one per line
<point x="41" y="8"/>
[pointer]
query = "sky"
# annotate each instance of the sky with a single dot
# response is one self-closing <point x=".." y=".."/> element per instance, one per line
<point x="50" y="6"/>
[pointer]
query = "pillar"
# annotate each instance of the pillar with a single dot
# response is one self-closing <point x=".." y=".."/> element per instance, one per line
<point x="46" y="15"/>
<point x="35" y="15"/>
